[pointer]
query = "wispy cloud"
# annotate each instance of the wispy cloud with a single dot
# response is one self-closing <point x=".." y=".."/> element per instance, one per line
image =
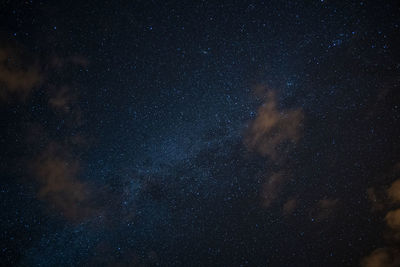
<point x="266" y="133"/>
<point x="382" y="257"/>
<point x="56" y="168"/>
<point x="390" y="255"/>
<point x="62" y="99"/>
<point x="289" y="206"/>
<point x="57" y="173"/>
<point x="18" y="76"/>
<point x="376" y="199"/>
<point x="272" y="127"/>
<point x="392" y="219"/>
<point x="394" y="192"/>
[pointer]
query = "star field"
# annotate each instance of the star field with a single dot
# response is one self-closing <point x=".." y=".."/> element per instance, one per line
<point x="166" y="133"/>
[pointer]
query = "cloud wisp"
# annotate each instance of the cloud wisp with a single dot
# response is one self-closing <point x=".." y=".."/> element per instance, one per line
<point x="57" y="174"/>
<point x="265" y="136"/>
<point x="389" y="255"/>
<point x="272" y="127"/>
<point x="18" y="77"/>
<point x="55" y="168"/>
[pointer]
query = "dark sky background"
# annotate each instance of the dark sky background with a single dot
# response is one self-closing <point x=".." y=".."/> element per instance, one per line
<point x="197" y="133"/>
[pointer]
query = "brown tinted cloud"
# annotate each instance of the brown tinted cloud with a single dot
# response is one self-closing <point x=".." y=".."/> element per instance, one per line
<point x="57" y="174"/>
<point x="266" y="133"/>
<point x="376" y="199"/>
<point x="390" y="255"/>
<point x="392" y="219"/>
<point x="272" y="127"/>
<point x="382" y="257"/>
<point x="21" y="73"/>
<point x="55" y="168"/>
<point x="289" y="206"/>
<point x="18" y="76"/>
<point x="394" y="191"/>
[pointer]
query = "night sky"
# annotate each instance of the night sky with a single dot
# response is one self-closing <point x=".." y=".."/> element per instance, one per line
<point x="200" y="133"/>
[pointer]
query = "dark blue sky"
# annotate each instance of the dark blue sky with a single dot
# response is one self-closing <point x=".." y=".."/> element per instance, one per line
<point x="163" y="133"/>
